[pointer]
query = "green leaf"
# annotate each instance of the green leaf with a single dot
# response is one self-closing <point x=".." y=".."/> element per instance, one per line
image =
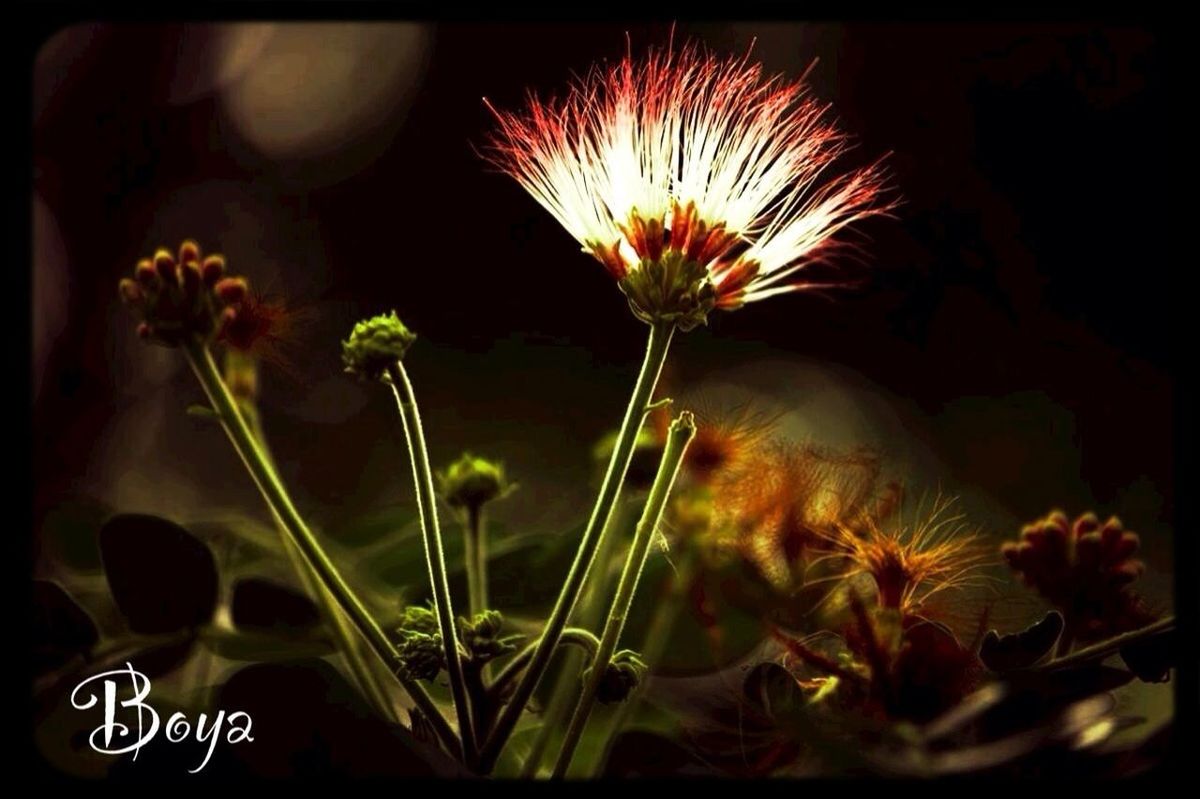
<point x="1002" y="653"/>
<point x="161" y="577"/>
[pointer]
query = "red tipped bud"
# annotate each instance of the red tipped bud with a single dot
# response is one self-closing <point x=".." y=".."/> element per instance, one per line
<point x="1085" y="524"/>
<point x="189" y="251"/>
<point x="145" y="274"/>
<point x="213" y="270"/>
<point x="144" y="330"/>
<point x="231" y="290"/>
<point x="130" y="291"/>
<point x="1111" y="532"/>
<point x="191" y="278"/>
<point x="164" y="264"/>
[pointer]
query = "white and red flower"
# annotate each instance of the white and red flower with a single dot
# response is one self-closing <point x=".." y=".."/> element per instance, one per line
<point x="687" y="154"/>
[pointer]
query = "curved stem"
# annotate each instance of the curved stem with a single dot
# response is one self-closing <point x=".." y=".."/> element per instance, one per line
<point x="678" y="437"/>
<point x="435" y="557"/>
<point x="575" y="636"/>
<point x="653" y="647"/>
<point x="610" y="489"/>
<point x="590" y="615"/>
<point x="280" y="503"/>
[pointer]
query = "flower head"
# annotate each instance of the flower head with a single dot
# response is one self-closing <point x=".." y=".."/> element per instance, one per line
<point x="912" y="561"/>
<point x="698" y="182"/>
<point x="782" y="499"/>
<point x="376" y="344"/>
<point x="726" y="436"/>
<point x="1085" y="569"/>
<point x="470" y="482"/>
<point x="180" y="296"/>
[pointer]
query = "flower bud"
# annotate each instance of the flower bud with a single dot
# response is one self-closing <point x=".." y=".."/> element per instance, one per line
<point x="164" y="264"/>
<point x="471" y="482"/>
<point x="130" y="291"/>
<point x="213" y="270"/>
<point x="375" y="344"/>
<point x="480" y="636"/>
<point x="145" y="274"/>
<point x="191" y="279"/>
<point x="624" y="673"/>
<point x="231" y="290"/>
<point x="189" y="251"/>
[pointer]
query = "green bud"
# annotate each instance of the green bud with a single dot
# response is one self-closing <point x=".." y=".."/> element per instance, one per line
<point x="623" y="675"/>
<point x="418" y="619"/>
<point x="375" y="344"/>
<point x="470" y="482"/>
<point x="480" y="636"/>
<point x="421" y="656"/>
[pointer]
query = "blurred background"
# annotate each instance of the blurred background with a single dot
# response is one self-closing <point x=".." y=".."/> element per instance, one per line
<point x="1009" y="344"/>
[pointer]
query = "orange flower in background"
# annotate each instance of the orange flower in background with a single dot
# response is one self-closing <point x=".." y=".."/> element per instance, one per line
<point x="911" y="561"/>
<point x="699" y="182"/>
<point x="779" y="504"/>
<point x="726" y="436"/>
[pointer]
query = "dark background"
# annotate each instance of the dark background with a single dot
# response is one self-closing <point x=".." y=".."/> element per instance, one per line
<point x="1014" y="320"/>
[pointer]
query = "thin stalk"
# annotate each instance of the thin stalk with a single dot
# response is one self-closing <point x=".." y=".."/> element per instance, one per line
<point x="435" y="557"/>
<point x="1107" y="647"/>
<point x="589" y="616"/>
<point x="475" y="553"/>
<point x="654" y="646"/>
<point x="348" y="644"/>
<point x="576" y="636"/>
<point x="277" y="499"/>
<point x="678" y="437"/>
<point x="610" y="489"/>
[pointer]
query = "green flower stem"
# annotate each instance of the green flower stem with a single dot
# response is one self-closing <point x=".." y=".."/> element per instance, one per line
<point x="475" y="541"/>
<point x="590" y="615"/>
<point x="653" y="647"/>
<point x="435" y="557"/>
<point x="678" y="437"/>
<point x="575" y="636"/>
<point x="277" y="499"/>
<point x="349" y="645"/>
<point x="610" y="489"/>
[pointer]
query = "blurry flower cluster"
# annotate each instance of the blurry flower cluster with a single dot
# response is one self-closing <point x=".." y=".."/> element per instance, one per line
<point x="1085" y="569"/>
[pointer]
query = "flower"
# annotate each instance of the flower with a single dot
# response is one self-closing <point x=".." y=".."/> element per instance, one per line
<point x="726" y="436"/>
<point x="911" y="562"/>
<point x="697" y="182"/>
<point x="1084" y="568"/>
<point x="255" y="324"/>
<point x="782" y="500"/>
<point x="376" y="344"/>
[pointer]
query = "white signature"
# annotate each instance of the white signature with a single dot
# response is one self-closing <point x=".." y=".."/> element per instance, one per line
<point x="177" y="728"/>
